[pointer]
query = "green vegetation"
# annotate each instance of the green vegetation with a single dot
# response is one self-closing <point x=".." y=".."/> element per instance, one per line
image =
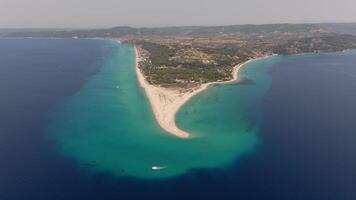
<point x="160" y="69"/>
<point x="330" y="43"/>
<point x="178" y="63"/>
<point x="159" y="54"/>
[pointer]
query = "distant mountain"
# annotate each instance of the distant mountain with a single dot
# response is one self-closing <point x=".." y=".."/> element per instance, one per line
<point x="213" y="30"/>
<point x="344" y="28"/>
<point x="165" y="31"/>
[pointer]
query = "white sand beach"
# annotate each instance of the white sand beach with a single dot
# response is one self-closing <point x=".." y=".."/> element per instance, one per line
<point x="166" y="102"/>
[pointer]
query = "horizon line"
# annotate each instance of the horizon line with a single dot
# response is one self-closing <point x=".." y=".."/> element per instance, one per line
<point x="167" y="26"/>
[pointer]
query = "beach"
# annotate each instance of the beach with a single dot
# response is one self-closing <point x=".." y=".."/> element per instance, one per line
<point x="166" y="102"/>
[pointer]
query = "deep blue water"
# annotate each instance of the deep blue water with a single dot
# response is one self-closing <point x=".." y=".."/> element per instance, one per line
<point x="308" y="136"/>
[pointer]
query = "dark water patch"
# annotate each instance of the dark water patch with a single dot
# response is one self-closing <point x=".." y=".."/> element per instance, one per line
<point x="34" y="76"/>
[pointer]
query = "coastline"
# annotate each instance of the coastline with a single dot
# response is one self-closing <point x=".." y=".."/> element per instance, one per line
<point x="165" y="103"/>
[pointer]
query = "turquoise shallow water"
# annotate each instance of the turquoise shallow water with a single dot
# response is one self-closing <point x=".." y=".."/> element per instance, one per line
<point x="108" y="125"/>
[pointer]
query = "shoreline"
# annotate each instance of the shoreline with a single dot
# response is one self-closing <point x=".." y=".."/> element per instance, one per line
<point x="165" y="103"/>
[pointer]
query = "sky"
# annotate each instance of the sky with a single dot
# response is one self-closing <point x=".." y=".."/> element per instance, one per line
<point x="149" y="13"/>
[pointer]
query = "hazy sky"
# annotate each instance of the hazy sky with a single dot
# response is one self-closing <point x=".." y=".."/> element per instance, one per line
<point x="107" y="13"/>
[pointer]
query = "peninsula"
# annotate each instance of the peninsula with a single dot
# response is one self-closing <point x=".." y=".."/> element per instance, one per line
<point x="166" y="102"/>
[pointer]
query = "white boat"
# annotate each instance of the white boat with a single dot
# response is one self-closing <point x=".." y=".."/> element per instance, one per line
<point x="158" y="167"/>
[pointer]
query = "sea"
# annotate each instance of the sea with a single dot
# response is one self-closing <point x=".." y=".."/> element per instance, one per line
<point x="75" y="124"/>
